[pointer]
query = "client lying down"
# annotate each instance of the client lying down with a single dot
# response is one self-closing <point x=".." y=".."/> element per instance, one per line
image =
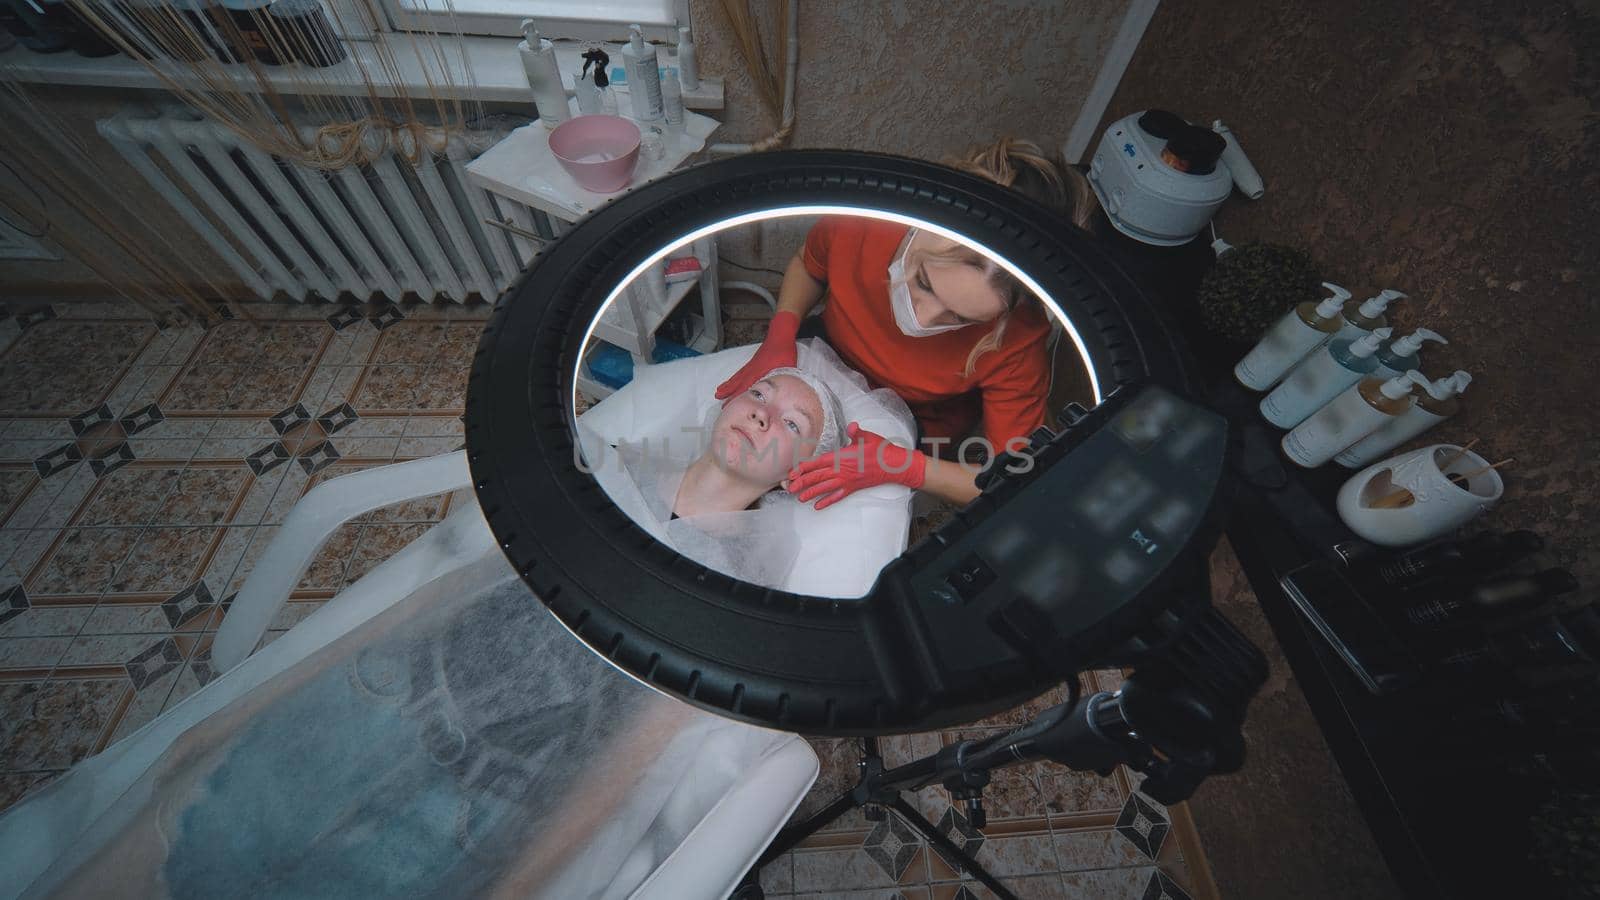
<point x="714" y="492"/>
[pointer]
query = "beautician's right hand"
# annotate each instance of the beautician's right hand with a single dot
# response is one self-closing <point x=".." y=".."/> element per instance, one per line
<point x="776" y="352"/>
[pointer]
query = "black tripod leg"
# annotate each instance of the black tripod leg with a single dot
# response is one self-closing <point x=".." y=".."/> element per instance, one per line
<point x="794" y="834"/>
<point x="951" y="851"/>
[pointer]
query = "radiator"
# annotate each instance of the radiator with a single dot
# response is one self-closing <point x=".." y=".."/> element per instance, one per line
<point x="387" y="228"/>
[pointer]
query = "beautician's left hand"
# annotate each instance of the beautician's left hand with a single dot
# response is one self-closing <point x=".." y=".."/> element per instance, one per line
<point x="869" y="460"/>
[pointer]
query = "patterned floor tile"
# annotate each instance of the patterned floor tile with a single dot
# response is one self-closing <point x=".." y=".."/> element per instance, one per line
<point x="378" y="543"/>
<point x="838" y="757"/>
<point x="141" y="705"/>
<point x="68" y="500"/>
<point x="46" y="621"/>
<point x="32" y="653"/>
<point x="1069" y="794"/>
<point x="53" y="724"/>
<point x="1101" y="848"/>
<point x="17" y="786"/>
<point x="1004" y="857"/>
<point x="1035" y="887"/>
<point x="327" y="572"/>
<point x="1111" y="884"/>
<point x="129" y="496"/>
<point x="201" y="388"/>
<point x="164" y="560"/>
<point x="389" y="388"/>
<point x="202" y="496"/>
<point x="414" y="343"/>
<point x="777" y="877"/>
<point x="837" y="870"/>
<point x="83" y="562"/>
<point x="265" y="390"/>
<point x="444" y="387"/>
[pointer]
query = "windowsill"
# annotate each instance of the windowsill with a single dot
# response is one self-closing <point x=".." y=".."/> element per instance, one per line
<point x="496" y="70"/>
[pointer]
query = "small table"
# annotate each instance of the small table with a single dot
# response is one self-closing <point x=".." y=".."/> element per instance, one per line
<point x="522" y="173"/>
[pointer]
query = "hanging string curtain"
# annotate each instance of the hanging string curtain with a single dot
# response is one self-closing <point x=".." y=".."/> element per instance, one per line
<point x="318" y="84"/>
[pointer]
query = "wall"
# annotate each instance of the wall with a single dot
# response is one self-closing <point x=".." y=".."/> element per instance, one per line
<point x="923" y="78"/>
<point x="1447" y="148"/>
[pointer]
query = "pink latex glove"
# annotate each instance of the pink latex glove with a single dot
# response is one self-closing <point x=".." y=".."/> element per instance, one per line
<point x="776" y="352"/>
<point x="869" y="460"/>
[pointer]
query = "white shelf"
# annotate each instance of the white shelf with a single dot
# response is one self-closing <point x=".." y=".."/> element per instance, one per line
<point x="495" y="76"/>
<point x="613" y="327"/>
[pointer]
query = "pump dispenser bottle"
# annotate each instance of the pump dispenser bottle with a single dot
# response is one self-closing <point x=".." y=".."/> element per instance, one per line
<point x="644" y="78"/>
<point x="1352" y="416"/>
<point x="1301" y="330"/>
<point x="1400" y="354"/>
<point x="1323" y="376"/>
<point x="1367" y="315"/>
<point x="544" y="76"/>
<point x="1434" y="405"/>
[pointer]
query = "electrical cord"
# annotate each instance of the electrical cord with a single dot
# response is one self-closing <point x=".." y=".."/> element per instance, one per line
<point x="739" y="265"/>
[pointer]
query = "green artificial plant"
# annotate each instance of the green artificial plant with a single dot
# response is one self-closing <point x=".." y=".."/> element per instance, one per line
<point x="1252" y="285"/>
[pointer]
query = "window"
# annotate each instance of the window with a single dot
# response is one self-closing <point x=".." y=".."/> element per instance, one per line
<point x="595" y="20"/>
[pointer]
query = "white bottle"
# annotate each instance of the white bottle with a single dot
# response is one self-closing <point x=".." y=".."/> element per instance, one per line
<point x="544" y="76"/>
<point x="644" y="78"/>
<point x="1366" y="316"/>
<point x="688" y="61"/>
<point x="1324" y="375"/>
<point x="1245" y="176"/>
<point x="671" y="98"/>
<point x="1400" y="354"/>
<point x="1300" y="331"/>
<point x="1351" y="416"/>
<point x="1432" y="407"/>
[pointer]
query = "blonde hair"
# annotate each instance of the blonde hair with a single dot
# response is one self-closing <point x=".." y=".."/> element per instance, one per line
<point x="1027" y="168"/>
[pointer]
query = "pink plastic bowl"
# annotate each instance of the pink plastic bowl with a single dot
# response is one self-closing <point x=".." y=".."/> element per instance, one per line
<point x="599" y="152"/>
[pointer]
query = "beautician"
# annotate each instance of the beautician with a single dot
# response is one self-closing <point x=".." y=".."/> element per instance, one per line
<point x="955" y="335"/>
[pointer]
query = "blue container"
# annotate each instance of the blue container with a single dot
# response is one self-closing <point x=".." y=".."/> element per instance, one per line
<point x="613" y="366"/>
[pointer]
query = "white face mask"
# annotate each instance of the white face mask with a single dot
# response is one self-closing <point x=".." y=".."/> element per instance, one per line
<point x="905" y="315"/>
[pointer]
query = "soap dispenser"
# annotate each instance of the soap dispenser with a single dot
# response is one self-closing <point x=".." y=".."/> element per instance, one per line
<point x="1300" y="331"/>
<point x="1367" y="315"/>
<point x="1439" y="402"/>
<point x="1352" y="416"/>
<point x="1400" y="354"/>
<point x="1324" y="375"/>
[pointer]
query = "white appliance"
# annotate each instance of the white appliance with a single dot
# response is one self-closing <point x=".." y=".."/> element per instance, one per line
<point x="1150" y="200"/>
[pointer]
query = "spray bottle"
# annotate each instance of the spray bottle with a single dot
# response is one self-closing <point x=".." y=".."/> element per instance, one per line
<point x="544" y="76"/>
<point x="1324" y="375"/>
<point x="1352" y="416"/>
<point x="1437" y="403"/>
<point x="644" y="77"/>
<point x="1300" y="331"/>
<point x="1364" y="316"/>
<point x="593" y="90"/>
<point x="1400" y="354"/>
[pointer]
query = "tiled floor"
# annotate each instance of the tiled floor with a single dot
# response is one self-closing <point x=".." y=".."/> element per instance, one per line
<point x="143" y="469"/>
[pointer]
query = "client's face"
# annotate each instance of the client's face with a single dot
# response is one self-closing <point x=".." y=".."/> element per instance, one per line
<point x="764" y="432"/>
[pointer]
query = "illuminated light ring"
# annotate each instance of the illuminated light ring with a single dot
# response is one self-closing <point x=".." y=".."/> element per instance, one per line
<point x="770" y="657"/>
